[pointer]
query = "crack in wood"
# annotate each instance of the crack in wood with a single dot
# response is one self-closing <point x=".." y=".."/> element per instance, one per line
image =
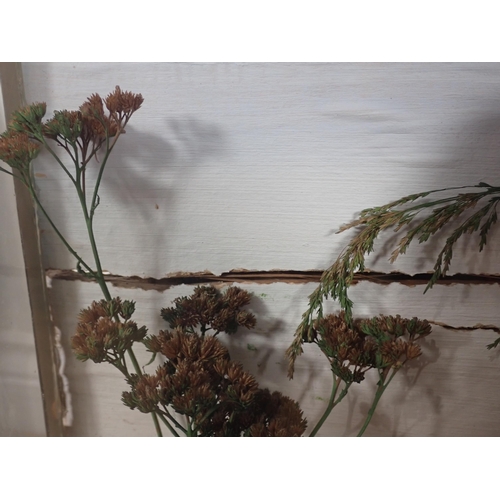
<point x="478" y="326"/>
<point x="268" y="277"/>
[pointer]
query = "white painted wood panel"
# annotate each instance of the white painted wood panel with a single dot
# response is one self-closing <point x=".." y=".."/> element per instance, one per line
<point x="449" y="391"/>
<point x="254" y="165"/>
<point x="21" y="410"/>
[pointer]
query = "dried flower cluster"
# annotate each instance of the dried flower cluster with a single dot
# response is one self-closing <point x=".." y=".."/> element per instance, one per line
<point x="102" y="336"/>
<point x="18" y="151"/>
<point x="81" y="133"/>
<point x="337" y="279"/>
<point x="217" y="396"/>
<point x="347" y="349"/>
<point x="208" y="309"/>
<point x="383" y="342"/>
<point x="199" y="380"/>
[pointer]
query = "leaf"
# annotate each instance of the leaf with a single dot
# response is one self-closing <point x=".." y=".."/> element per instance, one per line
<point x="150" y="361"/>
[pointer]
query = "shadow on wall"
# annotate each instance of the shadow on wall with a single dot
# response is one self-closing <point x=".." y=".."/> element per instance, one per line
<point x="473" y="156"/>
<point x="131" y="183"/>
<point x="145" y="174"/>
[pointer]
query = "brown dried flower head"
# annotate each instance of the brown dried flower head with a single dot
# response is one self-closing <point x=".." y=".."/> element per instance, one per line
<point x="123" y="104"/>
<point x="96" y="125"/>
<point x="279" y="416"/>
<point x="17" y="150"/>
<point x="101" y="336"/>
<point x="64" y="124"/>
<point x="208" y="309"/>
<point x="344" y="346"/>
<point x="394" y="339"/>
<point x="28" y="120"/>
<point x="352" y="349"/>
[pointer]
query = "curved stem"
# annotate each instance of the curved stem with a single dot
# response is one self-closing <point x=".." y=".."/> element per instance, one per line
<point x="329" y="407"/>
<point x="331" y="403"/>
<point x="190" y="432"/>
<point x="109" y="148"/>
<point x="179" y="426"/>
<point x="156" y="424"/>
<point x="167" y="423"/>
<point x="98" y="180"/>
<point x="61" y="237"/>
<point x="380" y="390"/>
<point x="98" y="275"/>
<point x="41" y="138"/>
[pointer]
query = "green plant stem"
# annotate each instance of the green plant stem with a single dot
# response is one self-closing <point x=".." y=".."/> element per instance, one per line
<point x="179" y="426"/>
<point x="190" y="432"/>
<point x="167" y="423"/>
<point x="61" y="237"/>
<point x="331" y="403"/>
<point x="98" y="275"/>
<point x="41" y="138"/>
<point x="380" y="390"/>
<point x="121" y="365"/>
<point x="109" y="148"/>
<point x="137" y="369"/>
<point x="156" y="423"/>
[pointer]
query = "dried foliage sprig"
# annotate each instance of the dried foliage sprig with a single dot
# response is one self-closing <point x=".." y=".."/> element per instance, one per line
<point x="404" y="212"/>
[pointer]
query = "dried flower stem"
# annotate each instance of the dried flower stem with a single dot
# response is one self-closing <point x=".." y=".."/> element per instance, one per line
<point x="382" y="386"/>
<point x="331" y="403"/>
<point x="167" y="423"/>
<point x="72" y="131"/>
<point x="71" y="250"/>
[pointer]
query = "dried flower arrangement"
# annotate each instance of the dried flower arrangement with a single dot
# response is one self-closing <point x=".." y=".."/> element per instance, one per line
<point x="353" y="346"/>
<point x="197" y="390"/>
<point x="197" y="380"/>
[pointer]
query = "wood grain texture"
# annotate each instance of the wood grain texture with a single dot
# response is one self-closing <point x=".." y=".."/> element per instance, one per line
<point x="449" y="391"/>
<point x="255" y="166"/>
<point x="21" y="408"/>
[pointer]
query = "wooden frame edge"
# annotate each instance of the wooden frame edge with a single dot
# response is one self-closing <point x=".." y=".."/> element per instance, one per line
<point x="12" y="87"/>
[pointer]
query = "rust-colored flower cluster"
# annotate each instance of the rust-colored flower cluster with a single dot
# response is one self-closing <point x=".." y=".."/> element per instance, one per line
<point x="199" y="380"/>
<point x="383" y="342"/>
<point x="209" y="309"/>
<point x="394" y="339"/>
<point x="217" y="395"/>
<point x="104" y="331"/>
<point x="18" y="151"/>
<point x="347" y="349"/>
<point x="86" y="129"/>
